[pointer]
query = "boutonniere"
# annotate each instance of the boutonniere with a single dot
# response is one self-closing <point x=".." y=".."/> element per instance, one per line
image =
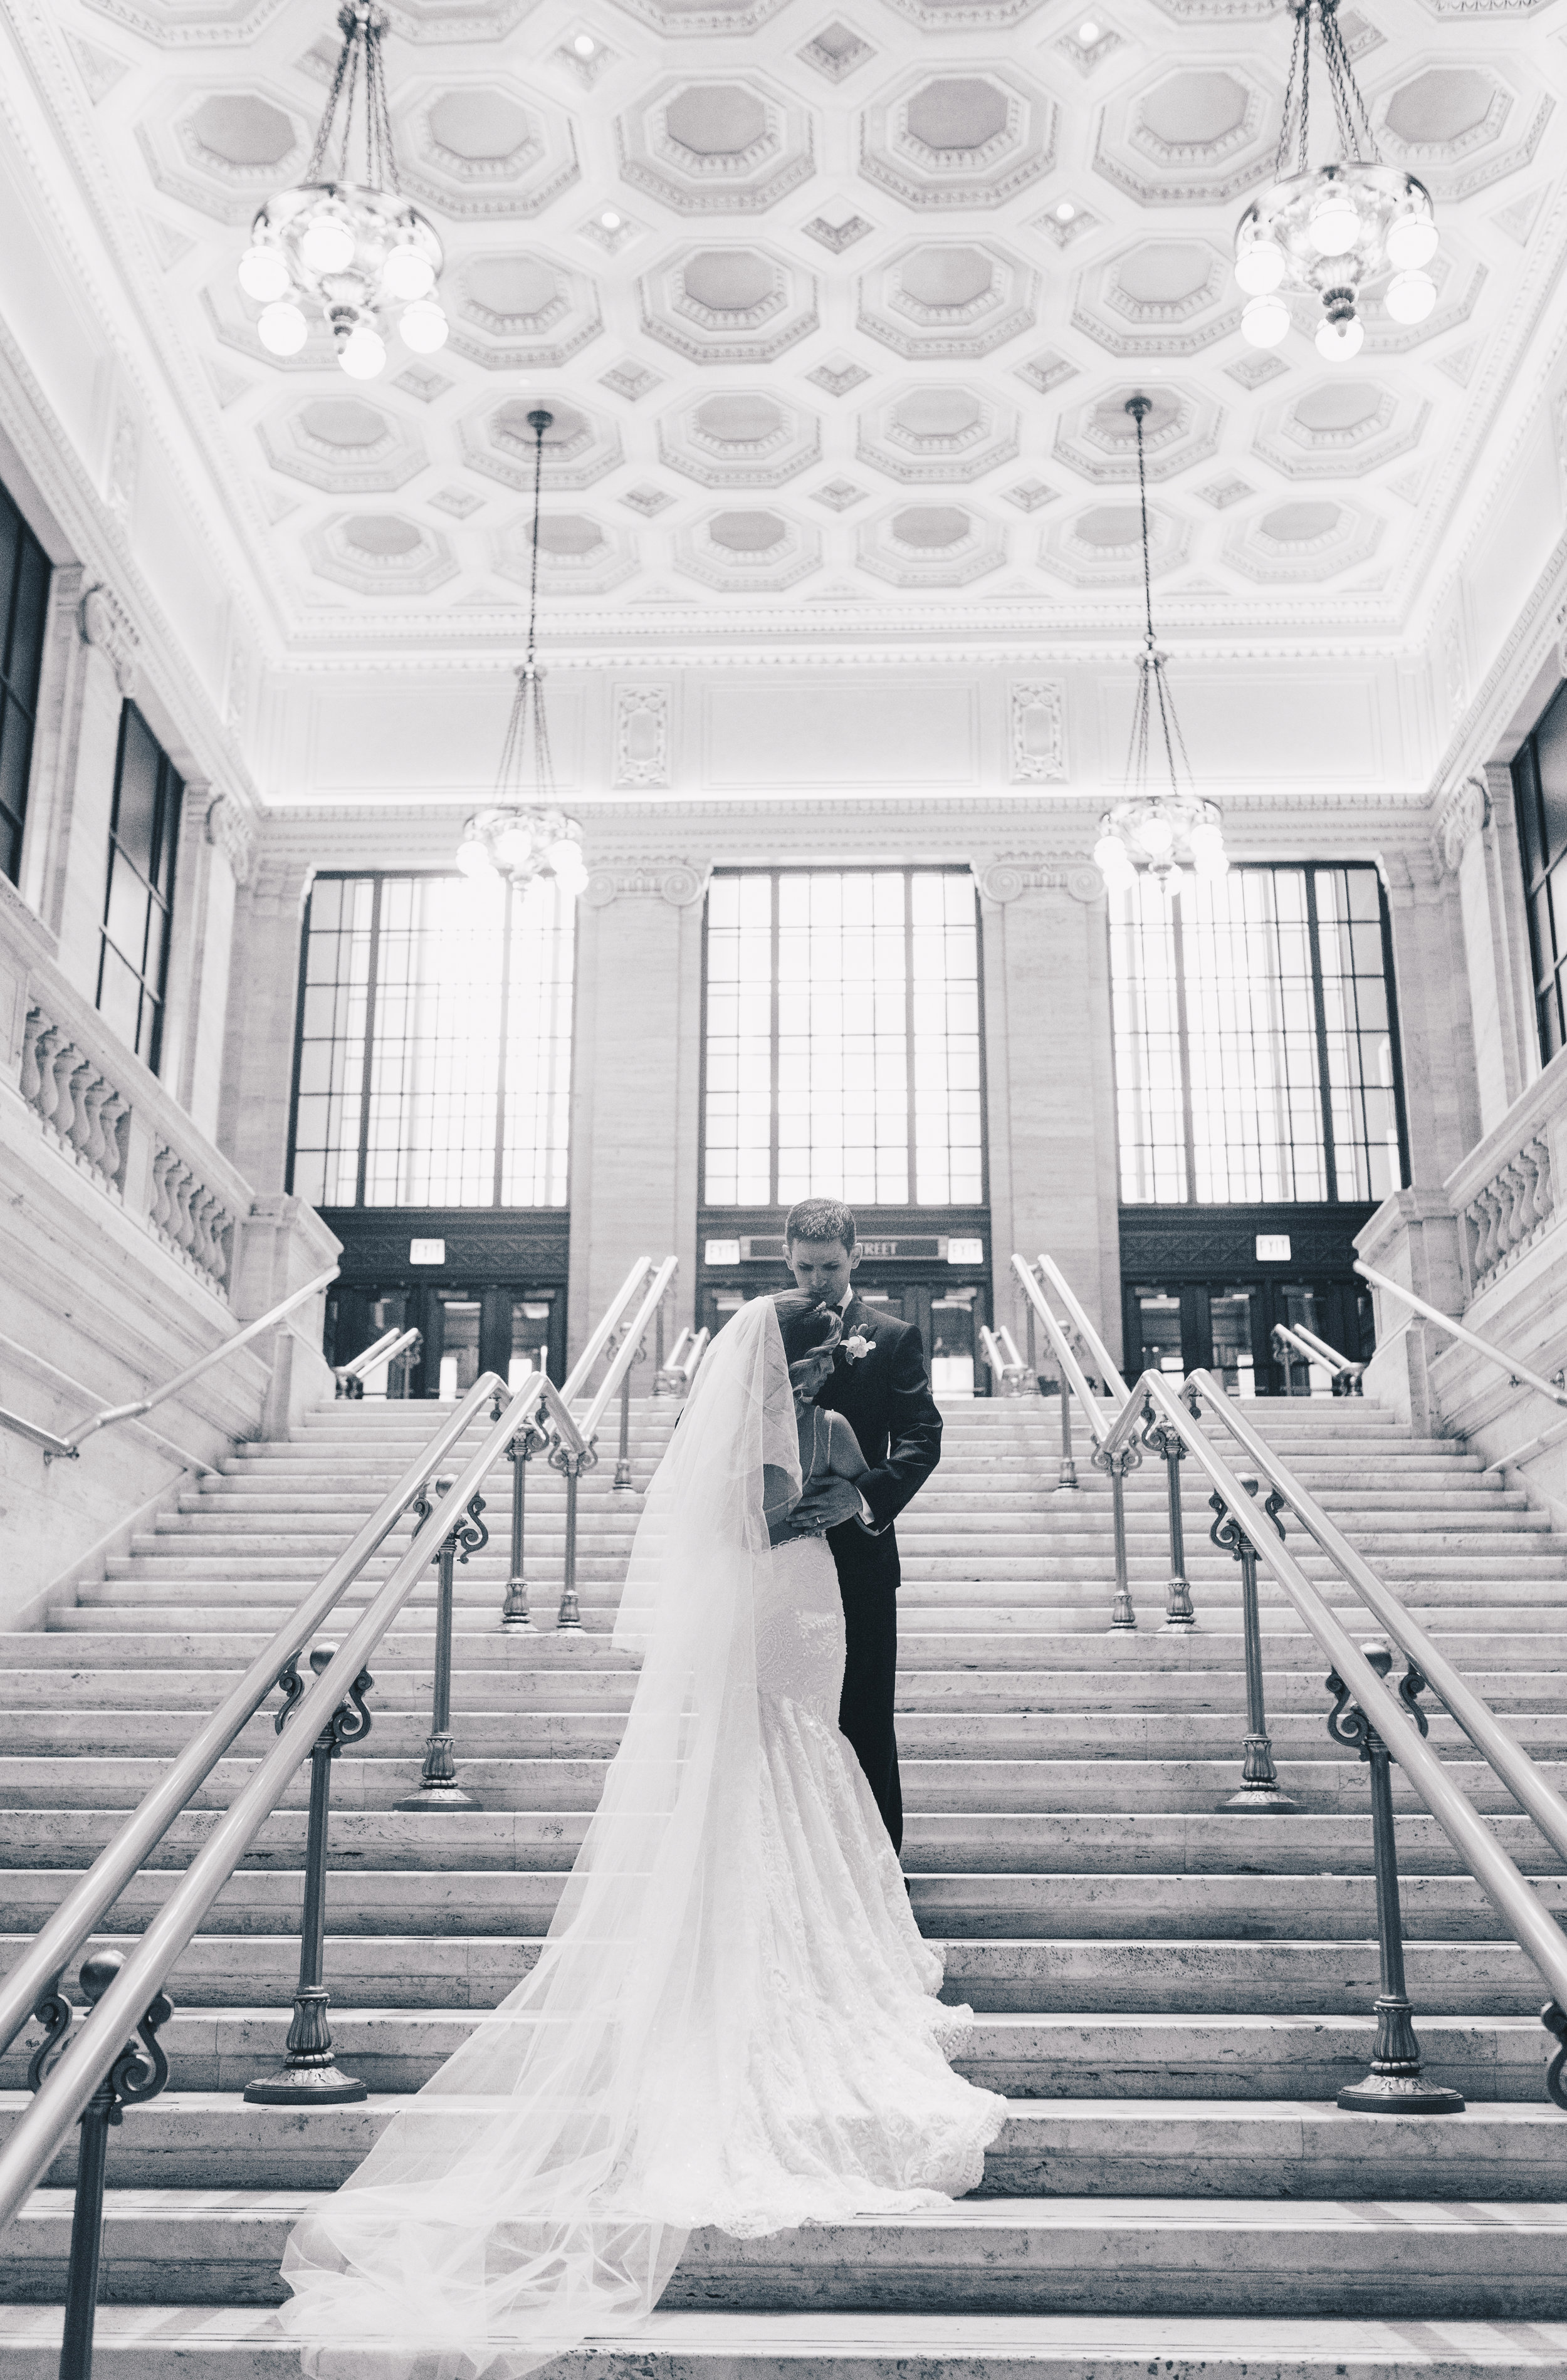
<point x="856" y="1346"/>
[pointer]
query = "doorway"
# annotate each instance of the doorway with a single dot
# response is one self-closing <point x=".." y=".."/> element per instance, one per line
<point x="947" y="1314"/>
<point x="1226" y="1327"/>
<point x="498" y="1326"/>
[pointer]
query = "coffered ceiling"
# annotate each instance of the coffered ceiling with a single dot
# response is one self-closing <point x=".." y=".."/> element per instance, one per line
<point x="836" y="307"/>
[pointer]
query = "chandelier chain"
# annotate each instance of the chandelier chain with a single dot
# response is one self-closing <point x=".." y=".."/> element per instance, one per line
<point x="540" y="424"/>
<point x="361" y="25"/>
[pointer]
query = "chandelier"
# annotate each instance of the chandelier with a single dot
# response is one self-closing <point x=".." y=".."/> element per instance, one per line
<point x="523" y="834"/>
<point x="1325" y="231"/>
<point x="357" y="252"/>
<point x="1151" y="828"/>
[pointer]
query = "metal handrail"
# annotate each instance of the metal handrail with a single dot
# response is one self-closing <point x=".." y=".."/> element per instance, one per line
<point x="1519" y="1374"/>
<point x="1072" y="1371"/>
<point x="1109" y="1369"/>
<point x="384" y="1350"/>
<point x="1523" y="1779"/>
<point x="98" y="2042"/>
<point x="1312" y="1350"/>
<point x="74" y="1919"/>
<point x="1006" y="1367"/>
<point x="573" y="1384"/>
<point x="685" y="1358"/>
<point x="71" y="1446"/>
<point x="626" y="1351"/>
<point x="1525" y="1918"/>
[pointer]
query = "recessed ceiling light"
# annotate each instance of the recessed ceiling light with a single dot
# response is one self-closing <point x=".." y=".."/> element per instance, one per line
<point x="609" y="220"/>
<point x="1066" y="212"/>
<point x="1088" y="32"/>
<point x="585" y="46"/>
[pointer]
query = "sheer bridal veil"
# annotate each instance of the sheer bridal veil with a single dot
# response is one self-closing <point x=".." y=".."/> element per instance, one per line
<point x="540" y="2187"/>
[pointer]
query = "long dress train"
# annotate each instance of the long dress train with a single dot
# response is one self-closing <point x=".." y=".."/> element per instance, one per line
<point x="732" y="2021"/>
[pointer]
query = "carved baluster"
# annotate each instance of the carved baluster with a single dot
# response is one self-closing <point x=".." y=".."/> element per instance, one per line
<point x="114" y="1113"/>
<point x="223" y="1245"/>
<point x="1488" y="1215"/>
<point x="206" y="1212"/>
<point x="79" y="1124"/>
<point x="61" y="1111"/>
<point x="35" y="1033"/>
<point x="48" y="1044"/>
<point x="162" y="1216"/>
<point x="1545" y="1191"/>
<point x="1509" y="1191"/>
<point x="184" y="1185"/>
<point x="95" y="1098"/>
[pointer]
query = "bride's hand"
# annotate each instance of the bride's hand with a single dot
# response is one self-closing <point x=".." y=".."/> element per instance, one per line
<point x="824" y="1506"/>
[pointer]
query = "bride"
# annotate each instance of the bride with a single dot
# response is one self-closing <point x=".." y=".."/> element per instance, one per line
<point x="734" y="2019"/>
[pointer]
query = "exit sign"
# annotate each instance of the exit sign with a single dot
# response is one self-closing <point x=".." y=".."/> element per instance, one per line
<point x="1272" y="1247"/>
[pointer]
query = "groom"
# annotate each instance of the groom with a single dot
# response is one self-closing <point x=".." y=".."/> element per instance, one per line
<point x="881" y="1387"/>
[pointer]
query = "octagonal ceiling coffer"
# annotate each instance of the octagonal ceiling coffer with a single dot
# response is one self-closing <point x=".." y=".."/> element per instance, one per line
<point x="949" y="139"/>
<point x="716" y="144"/>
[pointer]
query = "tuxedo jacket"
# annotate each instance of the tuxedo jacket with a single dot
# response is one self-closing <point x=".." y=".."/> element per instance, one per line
<point x="885" y="1398"/>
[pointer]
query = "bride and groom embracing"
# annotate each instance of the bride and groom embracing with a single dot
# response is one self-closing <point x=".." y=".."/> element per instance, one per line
<point x="734" y="2021"/>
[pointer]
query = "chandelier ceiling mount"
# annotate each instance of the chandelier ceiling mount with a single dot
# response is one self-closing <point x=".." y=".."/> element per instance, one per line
<point x="356" y="252"/>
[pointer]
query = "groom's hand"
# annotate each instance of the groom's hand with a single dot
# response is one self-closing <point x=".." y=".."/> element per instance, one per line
<point x="824" y="1506"/>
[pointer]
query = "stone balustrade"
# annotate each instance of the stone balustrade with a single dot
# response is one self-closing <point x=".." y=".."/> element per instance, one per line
<point x="1505" y="1193"/>
<point x="98" y="1105"/>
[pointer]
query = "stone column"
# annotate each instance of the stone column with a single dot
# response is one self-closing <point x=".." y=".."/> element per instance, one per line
<point x="1476" y="843"/>
<point x="635" y="1073"/>
<point x="258" y="1053"/>
<point x="1051" y="1109"/>
<point x="1441" y="1089"/>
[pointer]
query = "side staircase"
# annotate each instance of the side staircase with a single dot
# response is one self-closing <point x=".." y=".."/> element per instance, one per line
<point x="1169" y="1992"/>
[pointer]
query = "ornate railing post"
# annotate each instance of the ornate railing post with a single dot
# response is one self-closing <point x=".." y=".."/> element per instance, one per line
<point x="1394" y="2086"/>
<point x="437" y="1787"/>
<point x="566" y="1459"/>
<point x="138" y="2074"/>
<point x="520" y="1451"/>
<point x="1554" y="2019"/>
<point x="1259" y="1778"/>
<point x="1067" y="1474"/>
<point x="1125" y="1457"/>
<point x="1163" y="1440"/>
<point x="623" y="1463"/>
<point x="311" y="2076"/>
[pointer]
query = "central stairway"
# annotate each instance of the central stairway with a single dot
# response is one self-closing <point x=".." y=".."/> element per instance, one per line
<point x="1171" y="1993"/>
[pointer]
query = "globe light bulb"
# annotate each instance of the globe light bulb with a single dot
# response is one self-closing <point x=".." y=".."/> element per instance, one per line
<point x="1411" y="242"/>
<point x="585" y="46"/>
<point x="1156" y="834"/>
<point x="423" y="326"/>
<point x="1208" y="856"/>
<point x="1259" y="268"/>
<point x="1114" y="861"/>
<point x="1088" y="32"/>
<point x="1410" y="296"/>
<point x="472" y="858"/>
<point x="282" y="328"/>
<point x="609" y="220"/>
<point x="362" y="353"/>
<point x="408" y="273"/>
<point x="328" y="245"/>
<point x="1066" y="212"/>
<point x="1336" y="342"/>
<point x="263" y="274"/>
<point x="1334" y="226"/>
<point x="569" y="868"/>
<point x="1265" y="320"/>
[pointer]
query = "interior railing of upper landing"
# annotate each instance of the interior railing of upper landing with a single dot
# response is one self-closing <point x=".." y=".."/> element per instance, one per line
<point x="1177" y="1426"/>
<point x="565" y="1421"/>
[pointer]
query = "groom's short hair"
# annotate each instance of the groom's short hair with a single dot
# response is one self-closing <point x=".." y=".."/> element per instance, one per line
<point x="820" y="1219"/>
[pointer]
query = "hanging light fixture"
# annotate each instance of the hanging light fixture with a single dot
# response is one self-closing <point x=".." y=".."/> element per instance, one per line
<point x="523" y="834"/>
<point x="1325" y="231"/>
<point x="354" y="251"/>
<point x="1151" y="828"/>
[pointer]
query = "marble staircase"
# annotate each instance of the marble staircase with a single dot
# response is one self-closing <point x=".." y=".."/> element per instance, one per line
<point x="1169" y="1992"/>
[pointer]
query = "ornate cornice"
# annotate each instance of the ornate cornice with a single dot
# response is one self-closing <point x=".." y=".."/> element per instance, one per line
<point x="231" y="829"/>
<point x="105" y="624"/>
<point x="674" y="880"/>
<point x="1465" y="811"/>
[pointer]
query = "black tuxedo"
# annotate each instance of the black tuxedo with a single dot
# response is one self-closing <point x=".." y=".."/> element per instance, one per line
<point x="885" y="1398"/>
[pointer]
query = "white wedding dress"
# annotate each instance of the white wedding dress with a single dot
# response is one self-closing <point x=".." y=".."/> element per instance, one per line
<point x="734" y="2021"/>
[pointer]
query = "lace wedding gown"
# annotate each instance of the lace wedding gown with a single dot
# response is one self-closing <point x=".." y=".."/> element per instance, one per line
<point x="733" y="2022"/>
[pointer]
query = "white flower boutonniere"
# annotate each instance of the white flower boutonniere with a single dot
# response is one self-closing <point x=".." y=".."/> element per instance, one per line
<point x="856" y="1346"/>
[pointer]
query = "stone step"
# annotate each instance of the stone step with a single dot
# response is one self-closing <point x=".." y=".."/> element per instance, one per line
<point x="1419" y="2260"/>
<point x="1028" y="1903"/>
<point x="1026" y="2057"/>
<point x="81" y="1728"/>
<point x="191" y="2140"/>
<point x="1117" y="1975"/>
<point x="165" y="2342"/>
<point x="521" y="1781"/>
<point x="1022" y="1844"/>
